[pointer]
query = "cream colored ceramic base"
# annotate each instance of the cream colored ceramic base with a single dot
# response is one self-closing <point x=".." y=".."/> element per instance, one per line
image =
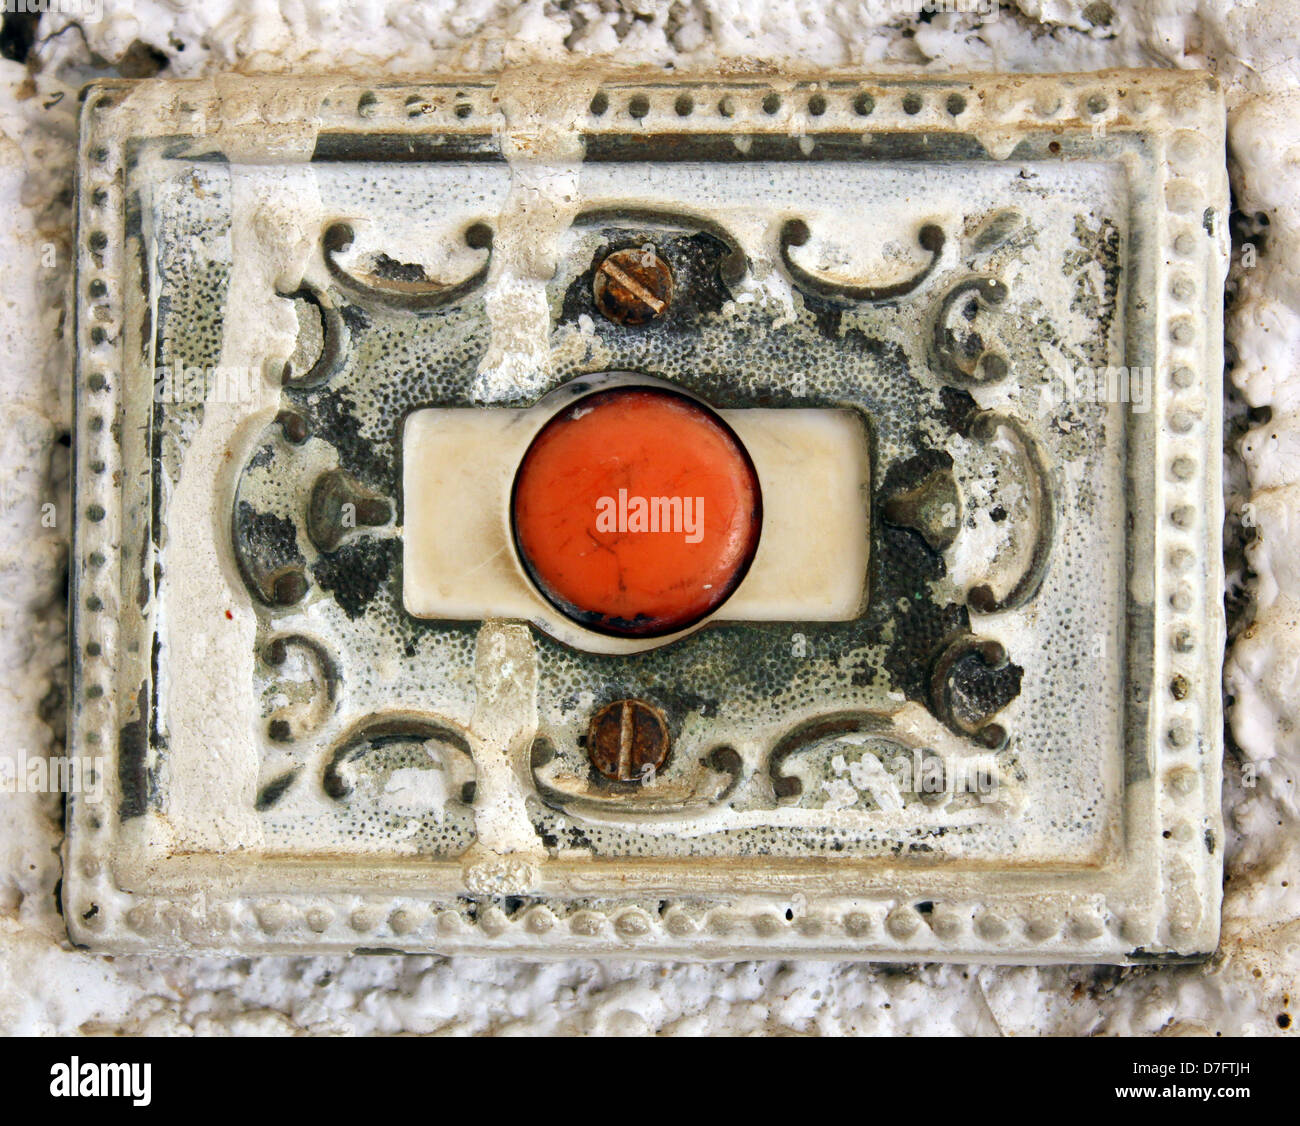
<point x="459" y="560"/>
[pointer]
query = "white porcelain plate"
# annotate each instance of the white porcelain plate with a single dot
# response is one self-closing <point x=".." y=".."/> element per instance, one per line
<point x="964" y="705"/>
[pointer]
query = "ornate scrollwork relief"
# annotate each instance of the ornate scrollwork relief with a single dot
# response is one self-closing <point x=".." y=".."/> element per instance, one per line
<point x="302" y="688"/>
<point x="997" y="229"/>
<point x="573" y="788"/>
<point x="364" y="761"/>
<point x="339" y="504"/>
<point x="982" y="598"/>
<point x="960" y="349"/>
<point x="795" y="232"/>
<point x="264" y="534"/>
<point x="933" y="507"/>
<point x="971" y="682"/>
<point x="331" y="350"/>
<point x="300" y="684"/>
<point x="871" y="765"/>
<point x="289" y="511"/>
<point x="399" y="285"/>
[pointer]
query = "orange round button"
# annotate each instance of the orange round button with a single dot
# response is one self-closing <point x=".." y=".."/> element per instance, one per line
<point x="636" y="511"/>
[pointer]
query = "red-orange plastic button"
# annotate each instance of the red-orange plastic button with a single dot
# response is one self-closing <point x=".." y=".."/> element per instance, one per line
<point x="636" y="511"/>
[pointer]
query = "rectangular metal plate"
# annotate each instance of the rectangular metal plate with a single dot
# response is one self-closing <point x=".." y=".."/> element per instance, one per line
<point x="1009" y="752"/>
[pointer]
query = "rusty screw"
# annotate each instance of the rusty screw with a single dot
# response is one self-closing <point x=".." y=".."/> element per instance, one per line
<point x="634" y="286"/>
<point x="628" y="740"/>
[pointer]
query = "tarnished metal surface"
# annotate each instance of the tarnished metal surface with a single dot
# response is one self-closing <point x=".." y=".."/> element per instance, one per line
<point x="1008" y="752"/>
<point x="633" y="287"/>
<point x="628" y="741"/>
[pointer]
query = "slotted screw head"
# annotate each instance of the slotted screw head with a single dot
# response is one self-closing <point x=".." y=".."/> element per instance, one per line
<point x="628" y="740"/>
<point x="633" y="286"/>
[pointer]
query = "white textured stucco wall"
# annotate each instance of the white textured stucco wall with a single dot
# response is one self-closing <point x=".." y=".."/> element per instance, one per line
<point x="1254" y="48"/>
